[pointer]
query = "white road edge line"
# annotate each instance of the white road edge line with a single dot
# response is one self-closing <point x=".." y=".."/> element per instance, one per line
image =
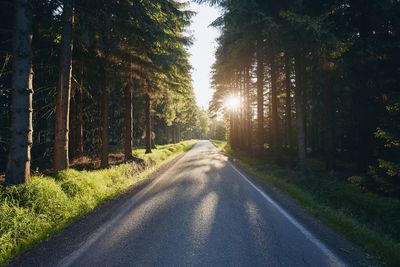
<point x="335" y="259"/>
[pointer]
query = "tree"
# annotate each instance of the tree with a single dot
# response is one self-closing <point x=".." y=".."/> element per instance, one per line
<point x="148" y="134"/>
<point x="19" y="159"/>
<point x="260" y="96"/>
<point x="299" y="98"/>
<point x="128" y="131"/>
<point x="61" y="159"/>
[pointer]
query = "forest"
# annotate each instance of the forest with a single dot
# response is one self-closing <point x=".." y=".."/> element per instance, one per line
<point x="313" y="83"/>
<point x="97" y="101"/>
<point x="83" y="79"/>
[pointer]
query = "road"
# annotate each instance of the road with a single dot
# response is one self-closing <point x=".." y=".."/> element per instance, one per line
<point x="202" y="212"/>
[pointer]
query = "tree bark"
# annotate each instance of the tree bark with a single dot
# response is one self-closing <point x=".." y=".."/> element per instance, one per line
<point x="288" y="82"/>
<point x="231" y="133"/>
<point x="363" y="96"/>
<point x="260" y="97"/>
<point x="242" y="123"/>
<point x="104" y="110"/>
<point x="174" y="134"/>
<point x="72" y="133"/>
<point x="330" y="145"/>
<point x="249" y="127"/>
<point x="80" y="118"/>
<point x="19" y="159"/>
<point x="301" y="142"/>
<point x="275" y="144"/>
<point x="148" y="124"/>
<point x="128" y="122"/>
<point x="61" y="160"/>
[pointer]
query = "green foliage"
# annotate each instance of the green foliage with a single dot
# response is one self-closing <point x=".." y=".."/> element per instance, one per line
<point x="35" y="211"/>
<point x="218" y="129"/>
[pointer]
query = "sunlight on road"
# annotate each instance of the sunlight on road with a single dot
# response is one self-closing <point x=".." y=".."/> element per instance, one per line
<point x="203" y="219"/>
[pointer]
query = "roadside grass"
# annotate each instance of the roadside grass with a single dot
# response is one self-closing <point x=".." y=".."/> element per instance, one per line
<point x="35" y="211"/>
<point x="369" y="220"/>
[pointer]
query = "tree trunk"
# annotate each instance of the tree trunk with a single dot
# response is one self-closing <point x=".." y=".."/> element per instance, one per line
<point x="179" y="133"/>
<point x="288" y="82"/>
<point x="148" y="124"/>
<point x="330" y="145"/>
<point x="104" y="110"/>
<point x="72" y="145"/>
<point x="301" y="138"/>
<point x="249" y="128"/>
<point x="80" y="118"/>
<point x="363" y="96"/>
<point x="61" y="160"/>
<point x="242" y="123"/>
<point x="173" y="134"/>
<point x="315" y="122"/>
<point x="260" y="97"/>
<point x="19" y="159"/>
<point x="231" y="135"/>
<point x="128" y="122"/>
<point x="275" y="144"/>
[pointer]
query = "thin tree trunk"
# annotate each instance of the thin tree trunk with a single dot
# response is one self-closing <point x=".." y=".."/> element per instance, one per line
<point x="365" y="112"/>
<point x="242" y="113"/>
<point x="148" y="124"/>
<point x="61" y="160"/>
<point x="128" y="122"/>
<point x="301" y="148"/>
<point x="260" y="97"/>
<point x="80" y="118"/>
<point x="275" y="144"/>
<point x="288" y="100"/>
<point x="104" y="110"/>
<point x="231" y="135"/>
<point x="330" y="145"/>
<point x="72" y="145"/>
<point x="19" y="159"/>
<point x="179" y="133"/>
<point x="173" y="134"/>
<point x="249" y="128"/>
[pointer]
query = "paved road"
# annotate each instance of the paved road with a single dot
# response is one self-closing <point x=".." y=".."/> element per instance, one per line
<point x="202" y="212"/>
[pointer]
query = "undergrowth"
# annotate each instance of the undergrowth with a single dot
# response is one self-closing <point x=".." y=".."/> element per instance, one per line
<point x="37" y="210"/>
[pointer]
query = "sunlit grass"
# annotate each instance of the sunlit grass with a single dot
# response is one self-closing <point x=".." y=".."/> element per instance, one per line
<point x="371" y="221"/>
<point x="35" y="211"/>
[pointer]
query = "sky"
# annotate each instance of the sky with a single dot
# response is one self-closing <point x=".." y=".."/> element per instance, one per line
<point x="203" y="51"/>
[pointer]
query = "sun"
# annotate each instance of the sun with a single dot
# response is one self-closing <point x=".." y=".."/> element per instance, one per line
<point x="232" y="102"/>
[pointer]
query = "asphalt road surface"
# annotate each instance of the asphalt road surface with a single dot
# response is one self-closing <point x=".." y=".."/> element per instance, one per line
<point x="202" y="212"/>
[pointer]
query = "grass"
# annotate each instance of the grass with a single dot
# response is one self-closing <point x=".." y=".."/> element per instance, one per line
<point x="369" y="220"/>
<point x="35" y="211"/>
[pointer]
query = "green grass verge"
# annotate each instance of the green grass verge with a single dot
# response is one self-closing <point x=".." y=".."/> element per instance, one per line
<point x="35" y="211"/>
<point x="369" y="220"/>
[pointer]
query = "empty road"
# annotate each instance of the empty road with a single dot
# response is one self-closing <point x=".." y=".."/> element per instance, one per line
<point x="201" y="212"/>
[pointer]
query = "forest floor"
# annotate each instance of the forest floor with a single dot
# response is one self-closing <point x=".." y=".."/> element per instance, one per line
<point x="36" y="211"/>
<point x="369" y="220"/>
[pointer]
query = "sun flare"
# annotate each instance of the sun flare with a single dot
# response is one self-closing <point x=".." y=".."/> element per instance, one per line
<point x="232" y="102"/>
